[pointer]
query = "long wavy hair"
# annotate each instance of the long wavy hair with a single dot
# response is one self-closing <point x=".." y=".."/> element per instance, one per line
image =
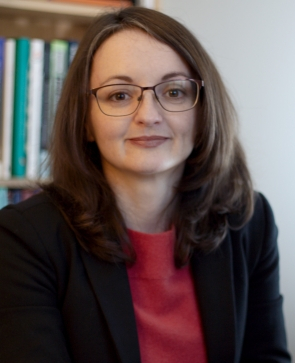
<point x="215" y="184"/>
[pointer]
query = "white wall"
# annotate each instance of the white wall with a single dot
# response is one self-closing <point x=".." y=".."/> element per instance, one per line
<point x="253" y="45"/>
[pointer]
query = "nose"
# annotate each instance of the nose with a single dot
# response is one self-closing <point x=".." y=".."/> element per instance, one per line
<point x="149" y="110"/>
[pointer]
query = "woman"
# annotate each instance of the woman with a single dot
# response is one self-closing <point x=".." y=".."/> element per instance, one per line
<point x="149" y="245"/>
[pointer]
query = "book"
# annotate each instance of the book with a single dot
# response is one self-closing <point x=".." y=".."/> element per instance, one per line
<point x="57" y="73"/>
<point x="34" y="113"/>
<point x="2" y="45"/>
<point x="44" y="171"/>
<point x="14" y="196"/>
<point x="8" y="106"/>
<point x="151" y="4"/>
<point x="73" y="46"/>
<point x="58" y="67"/>
<point x="3" y="197"/>
<point x="20" y="107"/>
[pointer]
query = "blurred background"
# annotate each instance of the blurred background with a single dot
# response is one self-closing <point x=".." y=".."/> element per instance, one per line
<point x="253" y="45"/>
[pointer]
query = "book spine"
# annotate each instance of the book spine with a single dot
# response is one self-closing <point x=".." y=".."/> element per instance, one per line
<point x="73" y="46"/>
<point x="58" y="67"/>
<point x="3" y="197"/>
<point x="2" y="44"/>
<point x="8" y="105"/>
<point x="14" y="196"/>
<point x="34" y="107"/>
<point x="44" y="171"/>
<point x="20" y="108"/>
<point x="57" y="74"/>
<point x="150" y="4"/>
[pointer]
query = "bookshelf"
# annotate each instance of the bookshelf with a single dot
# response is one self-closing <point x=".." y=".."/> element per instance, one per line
<point x="46" y="20"/>
<point x="16" y="183"/>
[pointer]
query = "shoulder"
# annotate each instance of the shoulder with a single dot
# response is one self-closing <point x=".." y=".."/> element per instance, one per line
<point x="261" y="221"/>
<point x="263" y="216"/>
<point x="38" y="210"/>
<point x="35" y="203"/>
<point x="257" y="239"/>
<point x="36" y="225"/>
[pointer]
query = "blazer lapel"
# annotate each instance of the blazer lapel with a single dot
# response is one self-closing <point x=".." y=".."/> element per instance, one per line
<point x="110" y="284"/>
<point x="213" y="278"/>
<point x="214" y="285"/>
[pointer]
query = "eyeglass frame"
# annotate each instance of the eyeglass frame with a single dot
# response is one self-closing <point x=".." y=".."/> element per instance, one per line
<point x="200" y="83"/>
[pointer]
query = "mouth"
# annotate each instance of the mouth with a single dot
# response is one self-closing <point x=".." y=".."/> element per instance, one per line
<point x="148" y="141"/>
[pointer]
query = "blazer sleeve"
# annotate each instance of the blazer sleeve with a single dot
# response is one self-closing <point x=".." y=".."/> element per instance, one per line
<point x="265" y="338"/>
<point x="31" y="326"/>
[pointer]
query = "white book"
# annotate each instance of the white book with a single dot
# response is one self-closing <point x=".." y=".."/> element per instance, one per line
<point x="7" y="110"/>
<point x="2" y="45"/>
<point x="34" y="108"/>
<point x="151" y="4"/>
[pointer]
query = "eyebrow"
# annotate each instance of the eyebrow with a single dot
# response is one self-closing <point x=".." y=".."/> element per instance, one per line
<point x="175" y="74"/>
<point x="130" y="80"/>
<point x="119" y="77"/>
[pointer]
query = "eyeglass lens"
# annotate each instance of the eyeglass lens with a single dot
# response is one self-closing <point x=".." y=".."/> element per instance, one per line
<point x="123" y="99"/>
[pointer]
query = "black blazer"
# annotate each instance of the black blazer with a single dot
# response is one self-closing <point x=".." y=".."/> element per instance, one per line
<point x="60" y="304"/>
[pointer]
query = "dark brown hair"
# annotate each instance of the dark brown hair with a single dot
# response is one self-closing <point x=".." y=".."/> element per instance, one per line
<point x="215" y="184"/>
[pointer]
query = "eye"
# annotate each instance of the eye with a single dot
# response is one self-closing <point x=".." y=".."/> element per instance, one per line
<point x="119" y="96"/>
<point x="175" y="93"/>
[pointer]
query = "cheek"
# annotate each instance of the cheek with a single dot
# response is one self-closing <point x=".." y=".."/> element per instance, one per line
<point x="189" y="129"/>
<point x="97" y="128"/>
<point x="106" y="133"/>
<point x="98" y="135"/>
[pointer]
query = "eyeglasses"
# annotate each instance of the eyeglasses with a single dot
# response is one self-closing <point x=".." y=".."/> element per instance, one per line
<point x="124" y="99"/>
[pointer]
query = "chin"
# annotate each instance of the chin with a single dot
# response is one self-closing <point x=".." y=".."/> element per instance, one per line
<point x="154" y="170"/>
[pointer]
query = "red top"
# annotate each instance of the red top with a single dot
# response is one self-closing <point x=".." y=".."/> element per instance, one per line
<point x="165" y="304"/>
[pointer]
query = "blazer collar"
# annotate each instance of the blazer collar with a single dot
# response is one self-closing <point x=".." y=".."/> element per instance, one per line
<point x="111" y="287"/>
<point x="213" y="278"/>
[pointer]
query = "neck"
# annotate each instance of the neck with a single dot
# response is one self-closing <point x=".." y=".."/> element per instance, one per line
<point x="146" y="202"/>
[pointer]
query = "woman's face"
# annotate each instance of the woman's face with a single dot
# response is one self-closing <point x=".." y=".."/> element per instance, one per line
<point x="151" y="141"/>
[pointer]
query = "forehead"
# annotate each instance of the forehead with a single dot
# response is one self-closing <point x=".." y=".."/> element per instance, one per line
<point x="136" y="54"/>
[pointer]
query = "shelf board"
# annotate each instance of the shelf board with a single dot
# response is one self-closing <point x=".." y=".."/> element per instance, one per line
<point x="51" y="9"/>
<point x="18" y="183"/>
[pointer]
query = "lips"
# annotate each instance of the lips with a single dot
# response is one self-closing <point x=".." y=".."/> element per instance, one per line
<point x="148" y="141"/>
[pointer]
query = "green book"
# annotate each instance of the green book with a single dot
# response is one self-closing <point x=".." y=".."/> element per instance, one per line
<point x="20" y="107"/>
